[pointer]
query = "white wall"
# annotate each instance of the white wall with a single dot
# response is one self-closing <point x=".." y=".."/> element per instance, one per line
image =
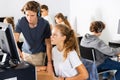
<point x="88" y="10"/>
<point x="13" y="7"/>
<point x="80" y="13"/>
<point x="56" y="6"/>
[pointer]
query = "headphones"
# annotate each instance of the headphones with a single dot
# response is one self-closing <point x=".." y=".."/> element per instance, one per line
<point x="39" y="13"/>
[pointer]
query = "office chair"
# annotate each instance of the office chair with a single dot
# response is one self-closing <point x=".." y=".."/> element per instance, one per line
<point x="89" y="53"/>
<point x="79" y="39"/>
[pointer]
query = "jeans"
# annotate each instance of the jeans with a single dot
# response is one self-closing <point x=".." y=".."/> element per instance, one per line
<point x="110" y="65"/>
<point x="91" y="68"/>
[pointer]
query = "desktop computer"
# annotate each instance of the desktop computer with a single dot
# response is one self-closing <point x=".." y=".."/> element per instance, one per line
<point x="114" y="44"/>
<point x="24" y="71"/>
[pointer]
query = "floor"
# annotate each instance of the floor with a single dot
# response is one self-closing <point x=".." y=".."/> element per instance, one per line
<point x="109" y="78"/>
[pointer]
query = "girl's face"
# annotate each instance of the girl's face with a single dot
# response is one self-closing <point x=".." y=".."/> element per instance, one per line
<point x="56" y="37"/>
<point x="58" y="20"/>
<point x="5" y="21"/>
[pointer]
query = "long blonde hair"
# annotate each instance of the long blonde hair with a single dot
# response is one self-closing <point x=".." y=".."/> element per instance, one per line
<point x="70" y="42"/>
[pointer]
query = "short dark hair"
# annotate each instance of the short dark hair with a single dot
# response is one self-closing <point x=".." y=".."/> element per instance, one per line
<point x="31" y="5"/>
<point x="44" y="7"/>
<point x="97" y="26"/>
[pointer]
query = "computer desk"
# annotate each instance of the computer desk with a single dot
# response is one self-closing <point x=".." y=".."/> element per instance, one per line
<point x="114" y="43"/>
<point x="23" y="71"/>
<point x="43" y="75"/>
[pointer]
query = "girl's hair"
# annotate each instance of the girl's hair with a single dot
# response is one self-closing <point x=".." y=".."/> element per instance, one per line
<point x="10" y="20"/>
<point x="70" y="42"/>
<point x="97" y="26"/>
<point x="60" y="15"/>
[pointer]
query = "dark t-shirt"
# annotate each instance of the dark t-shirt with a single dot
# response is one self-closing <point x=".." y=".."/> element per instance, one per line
<point x="34" y="37"/>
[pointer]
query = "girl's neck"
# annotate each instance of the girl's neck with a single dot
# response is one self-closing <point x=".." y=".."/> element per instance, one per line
<point x="60" y="47"/>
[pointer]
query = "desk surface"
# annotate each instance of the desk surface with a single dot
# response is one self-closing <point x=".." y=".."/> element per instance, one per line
<point x="114" y="44"/>
<point x="115" y="41"/>
<point x="42" y="75"/>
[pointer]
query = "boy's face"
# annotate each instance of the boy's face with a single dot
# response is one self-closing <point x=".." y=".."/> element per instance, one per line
<point x="31" y="16"/>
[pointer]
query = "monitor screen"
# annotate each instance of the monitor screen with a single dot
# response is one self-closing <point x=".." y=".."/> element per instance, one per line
<point x="1" y="19"/>
<point x="118" y="27"/>
<point x="7" y="42"/>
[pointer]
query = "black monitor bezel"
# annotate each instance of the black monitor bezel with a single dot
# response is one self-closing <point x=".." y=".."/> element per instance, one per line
<point x="11" y="43"/>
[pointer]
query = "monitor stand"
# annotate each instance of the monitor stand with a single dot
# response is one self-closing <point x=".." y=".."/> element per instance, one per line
<point x="22" y="65"/>
<point x="6" y="62"/>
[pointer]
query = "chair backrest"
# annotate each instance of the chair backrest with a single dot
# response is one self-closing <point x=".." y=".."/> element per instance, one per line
<point x="87" y="53"/>
<point x="79" y="39"/>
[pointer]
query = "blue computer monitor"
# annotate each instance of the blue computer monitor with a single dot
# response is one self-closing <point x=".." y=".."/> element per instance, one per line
<point x="8" y="43"/>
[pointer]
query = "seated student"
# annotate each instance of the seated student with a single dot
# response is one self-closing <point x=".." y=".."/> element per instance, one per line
<point x="61" y="19"/>
<point x="104" y="51"/>
<point x="65" y="54"/>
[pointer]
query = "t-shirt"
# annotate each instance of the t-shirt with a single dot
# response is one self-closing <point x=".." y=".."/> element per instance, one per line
<point x="48" y="18"/>
<point x="34" y="37"/>
<point x="67" y="67"/>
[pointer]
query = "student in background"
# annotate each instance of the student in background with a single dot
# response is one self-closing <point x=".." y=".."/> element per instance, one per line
<point x="9" y="20"/>
<point x="104" y="52"/>
<point x="45" y="14"/>
<point x="61" y="19"/>
<point x="65" y="54"/>
<point x="36" y="31"/>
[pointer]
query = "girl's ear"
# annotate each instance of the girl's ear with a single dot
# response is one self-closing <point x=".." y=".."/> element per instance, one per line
<point x="64" y="37"/>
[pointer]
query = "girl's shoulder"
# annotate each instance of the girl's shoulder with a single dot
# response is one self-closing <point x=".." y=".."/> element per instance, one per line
<point x="72" y="53"/>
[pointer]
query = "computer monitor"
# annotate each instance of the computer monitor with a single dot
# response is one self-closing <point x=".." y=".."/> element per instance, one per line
<point x="8" y="43"/>
<point x="118" y="27"/>
<point x="2" y="19"/>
